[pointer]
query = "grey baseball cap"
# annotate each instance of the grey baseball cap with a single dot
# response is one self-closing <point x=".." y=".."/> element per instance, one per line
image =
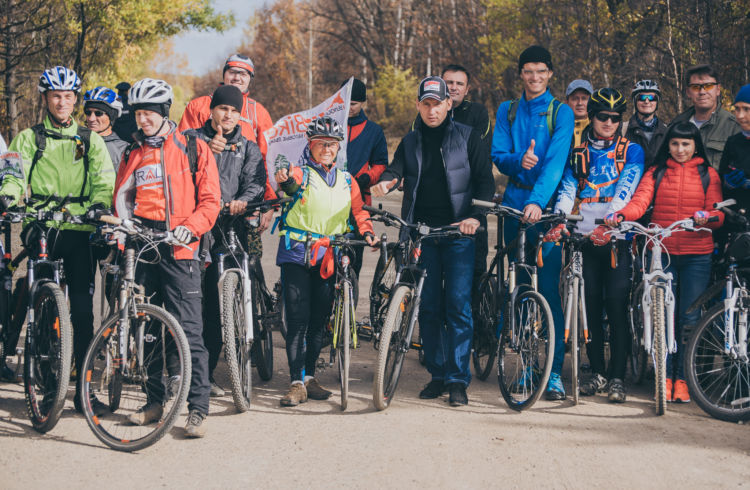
<point x="579" y="84"/>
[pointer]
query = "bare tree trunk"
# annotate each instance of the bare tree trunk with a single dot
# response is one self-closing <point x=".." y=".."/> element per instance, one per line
<point x="310" y="64"/>
<point x="399" y="34"/>
<point x="677" y="81"/>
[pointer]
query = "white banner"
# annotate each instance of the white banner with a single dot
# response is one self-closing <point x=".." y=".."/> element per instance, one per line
<point x="287" y="140"/>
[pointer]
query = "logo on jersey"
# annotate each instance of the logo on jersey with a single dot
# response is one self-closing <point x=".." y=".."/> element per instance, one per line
<point x="148" y="175"/>
<point x="11" y="163"/>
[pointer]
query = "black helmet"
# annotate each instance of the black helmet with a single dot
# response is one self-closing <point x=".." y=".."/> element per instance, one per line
<point x="646" y="86"/>
<point x="325" y="127"/>
<point x="606" y="99"/>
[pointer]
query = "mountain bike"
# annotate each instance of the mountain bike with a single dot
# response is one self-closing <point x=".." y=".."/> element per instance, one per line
<point x="10" y="323"/>
<point x="717" y="364"/>
<point x="138" y="348"/>
<point x="656" y="299"/>
<point x="514" y="320"/>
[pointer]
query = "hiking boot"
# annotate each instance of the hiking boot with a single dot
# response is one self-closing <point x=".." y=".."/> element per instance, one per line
<point x="555" y="389"/>
<point x="147" y="414"/>
<point x="433" y="389"/>
<point x="315" y="391"/>
<point x="297" y="394"/>
<point x="596" y="384"/>
<point x="670" y="390"/>
<point x="457" y="394"/>
<point x="681" y="394"/>
<point x="616" y="392"/>
<point x="194" y="427"/>
<point x="216" y="390"/>
<point x="97" y="407"/>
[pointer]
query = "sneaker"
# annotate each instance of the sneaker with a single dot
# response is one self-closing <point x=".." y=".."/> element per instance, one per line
<point x="616" y="392"/>
<point x="681" y="394"/>
<point x="147" y="414"/>
<point x="555" y="389"/>
<point x="297" y="394"/>
<point x="596" y="384"/>
<point x="173" y="384"/>
<point x="216" y="390"/>
<point x="670" y="390"/>
<point x="457" y="394"/>
<point x="194" y="427"/>
<point x="433" y="389"/>
<point x="100" y="409"/>
<point x="315" y="391"/>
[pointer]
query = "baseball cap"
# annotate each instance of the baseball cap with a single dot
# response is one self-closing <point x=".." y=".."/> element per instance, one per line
<point x="433" y="88"/>
<point x="579" y="84"/>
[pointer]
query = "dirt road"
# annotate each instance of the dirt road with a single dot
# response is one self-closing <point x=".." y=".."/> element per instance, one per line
<point x="415" y="443"/>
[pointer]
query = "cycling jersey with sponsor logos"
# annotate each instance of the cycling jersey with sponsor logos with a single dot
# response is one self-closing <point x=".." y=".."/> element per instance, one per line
<point x="149" y="180"/>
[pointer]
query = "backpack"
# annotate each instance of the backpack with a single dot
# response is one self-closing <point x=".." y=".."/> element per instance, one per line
<point x="580" y="161"/>
<point x="83" y="144"/>
<point x="552" y="109"/>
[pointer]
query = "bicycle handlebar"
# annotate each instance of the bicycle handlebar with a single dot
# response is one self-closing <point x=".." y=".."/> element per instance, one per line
<point x="499" y="209"/>
<point x="262" y="206"/>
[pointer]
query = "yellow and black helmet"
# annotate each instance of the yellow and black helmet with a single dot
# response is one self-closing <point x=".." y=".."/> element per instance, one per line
<point x="606" y="99"/>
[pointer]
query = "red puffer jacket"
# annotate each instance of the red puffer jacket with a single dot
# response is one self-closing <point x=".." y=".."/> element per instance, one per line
<point x="679" y="196"/>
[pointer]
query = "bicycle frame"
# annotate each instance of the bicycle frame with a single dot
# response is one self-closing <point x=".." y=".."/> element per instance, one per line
<point x="736" y="299"/>
<point x="574" y="270"/>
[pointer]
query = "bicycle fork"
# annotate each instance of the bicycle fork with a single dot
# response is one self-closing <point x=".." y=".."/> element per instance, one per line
<point x="731" y="304"/>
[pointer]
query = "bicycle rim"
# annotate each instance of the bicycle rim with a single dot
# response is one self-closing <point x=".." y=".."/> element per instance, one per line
<point x="162" y="378"/>
<point x="393" y="346"/>
<point x="485" y="316"/>
<point x="235" y="347"/>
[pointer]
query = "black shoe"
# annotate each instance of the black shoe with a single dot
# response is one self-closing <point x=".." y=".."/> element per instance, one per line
<point x="433" y="389"/>
<point x="7" y="374"/>
<point x="457" y="395"/>
<point x="97" y="407"/>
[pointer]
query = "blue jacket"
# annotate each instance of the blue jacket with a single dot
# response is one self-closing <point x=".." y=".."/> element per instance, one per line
<point x="537" y="185"/>
<point x="366" y="144"/>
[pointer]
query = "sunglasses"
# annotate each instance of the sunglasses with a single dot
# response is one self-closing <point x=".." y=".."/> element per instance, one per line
<point x="697" y="87"/>
<point x="332" y="144"/>
<point x="646" y="97"/>
<point x="88" y="112"/>
<point x="615" y="118"/>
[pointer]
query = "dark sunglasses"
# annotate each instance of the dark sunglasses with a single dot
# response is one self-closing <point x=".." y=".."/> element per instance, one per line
<point x="697" y="87"/>
<point x="615" y="118"/>
<point x="88" y="112"/>
<point x="646" y="97"/>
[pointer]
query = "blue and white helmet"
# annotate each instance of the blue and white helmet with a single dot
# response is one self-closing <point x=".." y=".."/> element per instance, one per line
<point x="105" y="96"/>
<point x="59" y="78"/>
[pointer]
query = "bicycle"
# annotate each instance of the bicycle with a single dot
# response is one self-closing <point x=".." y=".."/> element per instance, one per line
<point x="717" y="365"/>
<point x="657" y="301"/>
<point x="136" y="351"/>
<point x="524" y="344"/>
<point x="403" y="305"/>
<point x="10" y="325"/>
<point x="246" y="308"/>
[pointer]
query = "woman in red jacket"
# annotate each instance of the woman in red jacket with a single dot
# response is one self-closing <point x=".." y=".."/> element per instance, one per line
<point x="681" y="193"/>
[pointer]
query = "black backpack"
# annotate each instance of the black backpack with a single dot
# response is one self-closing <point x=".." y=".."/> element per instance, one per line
<point x="83" y="144"/>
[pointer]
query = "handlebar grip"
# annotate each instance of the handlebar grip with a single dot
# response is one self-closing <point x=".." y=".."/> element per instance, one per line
<point x="713" y="219"/>
<point x="371" y="209"/>
<point x="112" y="220"/>
<point x="481" y="229"/>
<point x="574" y="217"/>
<point x="725" y="203"/>
<point x="599" y="221"/>
<point x="482" y="204"/>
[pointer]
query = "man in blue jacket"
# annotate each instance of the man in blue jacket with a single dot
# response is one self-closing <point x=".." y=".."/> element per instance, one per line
<point x="530" y="145"/>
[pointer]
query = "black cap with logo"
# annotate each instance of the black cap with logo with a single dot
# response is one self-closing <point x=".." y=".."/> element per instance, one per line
<point x="433" y="88"/>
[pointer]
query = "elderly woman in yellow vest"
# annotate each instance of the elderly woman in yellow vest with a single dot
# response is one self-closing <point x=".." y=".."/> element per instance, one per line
<point x="324" y="198"/>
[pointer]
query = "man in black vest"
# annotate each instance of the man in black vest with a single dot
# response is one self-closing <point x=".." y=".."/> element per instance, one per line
<point x="443" y="165"/>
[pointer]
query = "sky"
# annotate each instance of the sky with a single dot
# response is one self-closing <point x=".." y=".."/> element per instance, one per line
<point x="204" y="51"/>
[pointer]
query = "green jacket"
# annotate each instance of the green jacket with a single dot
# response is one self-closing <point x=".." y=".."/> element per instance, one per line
<point x="58" y="173"/>
<point x="715" y="132"/>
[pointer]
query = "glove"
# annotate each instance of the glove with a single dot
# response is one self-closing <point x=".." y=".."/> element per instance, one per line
<point x="556" y="233"/>
<point x="598" y="236"/>
<point x="97" y="210"/>
<point x="182" y="234"/>
<point x="5" y="203"/>
<point x="735" y="179"/>
<point x="363" y="181"/>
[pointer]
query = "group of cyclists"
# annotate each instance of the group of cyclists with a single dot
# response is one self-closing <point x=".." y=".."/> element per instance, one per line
<point x="578" y="156"/>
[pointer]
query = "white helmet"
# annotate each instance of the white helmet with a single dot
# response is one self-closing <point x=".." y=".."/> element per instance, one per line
<point x="59" y="78"/>
<point x="150" y="91"/>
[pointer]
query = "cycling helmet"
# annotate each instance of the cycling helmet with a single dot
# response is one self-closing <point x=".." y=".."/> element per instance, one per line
<point x="606" y="99"/>
<point x="59" y="78"/>
<point x="104" y="97"/>
<point x="325" y="127"/>
<point x="646" y="86"/>
<point x="240" y="61"/>
<point x="151" y="94"/>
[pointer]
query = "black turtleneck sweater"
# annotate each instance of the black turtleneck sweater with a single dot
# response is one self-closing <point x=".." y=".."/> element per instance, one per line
<point x="433" y="204"/>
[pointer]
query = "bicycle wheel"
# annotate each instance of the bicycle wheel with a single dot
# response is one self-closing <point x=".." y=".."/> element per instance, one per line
<point x="380" y="289"/>
<point x="574" y="304"/>
<point x="718" y="382"/>
<point x="279" y="308"/>
<point x="237" y="351"/>
<point x="343" y="319"/>
<point x="47" y="356"/>
<point x="154" y="336"/>
<point x="638" y="355"/>
<point x="262" y="350"/>
<point x="658" y="319"/>
<point x="393" y="346"/>
<point x="484" y="342"/>
<point x="525" y="351"/>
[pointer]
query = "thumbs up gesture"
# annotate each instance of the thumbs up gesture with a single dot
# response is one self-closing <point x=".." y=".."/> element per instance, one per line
<point x="529" y="159"/>
<point x="219" y="142"/>
<point x="382" y="188"/>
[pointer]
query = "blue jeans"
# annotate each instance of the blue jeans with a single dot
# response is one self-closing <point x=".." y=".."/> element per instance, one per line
<point x="690" y="277"/>
<point x="445" y="311"/>
<point x="548" y="280"/>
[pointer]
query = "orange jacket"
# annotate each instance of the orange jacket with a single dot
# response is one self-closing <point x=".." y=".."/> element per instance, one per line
<point x="679" y="196"/>
<point x="254" y="120"/>
<point x="199" y="217"/>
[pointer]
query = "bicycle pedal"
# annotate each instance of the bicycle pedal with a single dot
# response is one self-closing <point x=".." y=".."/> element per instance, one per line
<point x="417" y="346"/>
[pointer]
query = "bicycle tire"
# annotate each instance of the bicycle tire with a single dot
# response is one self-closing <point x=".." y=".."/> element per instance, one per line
<point x="237" y="353"/>
<point x="638" y="355"/>
<point x="710" y="373"/>
<point x="520" y="339"/>
<point x="47" y="357"/>
<point x="658" y="319"/>
<point x="484" y="341"/>
<point x="573" y="337"/>
<point x="262" y="349"/>
<point x="344" y="340"/>
<point x="392" y="346"/>
<point x="152" y="319"/>
<point x="281" y="308"/>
